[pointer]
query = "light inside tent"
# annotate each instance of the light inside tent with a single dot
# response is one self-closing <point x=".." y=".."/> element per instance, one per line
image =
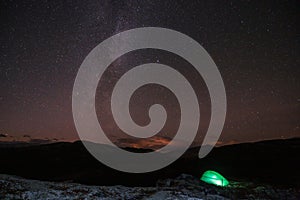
<point x="214" y="178"/>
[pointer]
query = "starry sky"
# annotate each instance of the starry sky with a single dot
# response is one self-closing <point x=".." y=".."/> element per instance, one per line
<point x="254" y="44"/>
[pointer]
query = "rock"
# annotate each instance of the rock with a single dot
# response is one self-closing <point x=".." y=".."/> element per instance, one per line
<point x="183" y="187"/>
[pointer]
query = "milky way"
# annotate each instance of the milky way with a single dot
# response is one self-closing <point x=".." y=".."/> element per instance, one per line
<point x="255" y="46"/>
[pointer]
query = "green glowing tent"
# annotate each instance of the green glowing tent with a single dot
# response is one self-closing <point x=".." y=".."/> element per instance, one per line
<point x="214" y="178"/>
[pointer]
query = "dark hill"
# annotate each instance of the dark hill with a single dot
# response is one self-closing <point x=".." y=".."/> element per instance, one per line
<point x="275" y="162"/>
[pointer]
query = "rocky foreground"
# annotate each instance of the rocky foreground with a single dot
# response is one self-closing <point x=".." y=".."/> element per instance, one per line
<point x="183" y="187"/>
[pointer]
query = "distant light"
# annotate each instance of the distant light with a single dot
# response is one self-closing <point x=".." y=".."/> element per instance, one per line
<point x="214" y="178"/>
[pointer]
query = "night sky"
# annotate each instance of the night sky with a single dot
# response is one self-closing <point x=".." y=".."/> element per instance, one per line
<point x="254" y="44"/>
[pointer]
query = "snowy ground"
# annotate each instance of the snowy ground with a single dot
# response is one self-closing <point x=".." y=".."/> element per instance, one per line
<point x="183" y="187"/>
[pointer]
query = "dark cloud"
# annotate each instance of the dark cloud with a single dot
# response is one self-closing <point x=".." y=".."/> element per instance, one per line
<point x="154" y="143"/>
<point x="27" y="136"/>
<point x="3" y="135"/>
<point x="40" y="141"/>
